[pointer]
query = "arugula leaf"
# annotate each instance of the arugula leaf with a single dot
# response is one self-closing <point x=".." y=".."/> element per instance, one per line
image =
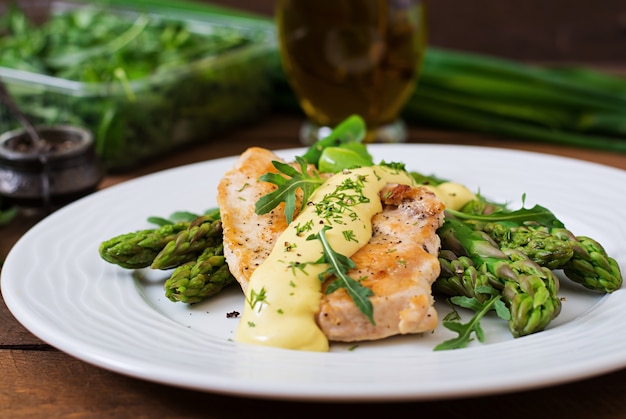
<point x="394" y="165"/>
<point x="339" y="266"/>
<point x="350" y="130"/>
<point x="347" y="156"/>
<point x="288" y="181"/>
<point x="537" y="213"/>
<point x="423" y="179"/>
<point x="473" y="326"/>
<point x="184" y="216"/>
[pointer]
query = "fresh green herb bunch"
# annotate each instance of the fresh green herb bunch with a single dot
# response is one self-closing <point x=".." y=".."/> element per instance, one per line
<point x="142" y="82"/>
<point x="92" y="44"/>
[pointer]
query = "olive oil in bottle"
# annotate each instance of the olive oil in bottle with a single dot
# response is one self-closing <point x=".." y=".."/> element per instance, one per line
<point x="345" y="57"/>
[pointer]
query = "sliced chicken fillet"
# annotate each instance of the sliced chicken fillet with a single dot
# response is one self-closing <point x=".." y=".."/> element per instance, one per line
<point x="248" y="237"/>
<point x="399" y="265"/>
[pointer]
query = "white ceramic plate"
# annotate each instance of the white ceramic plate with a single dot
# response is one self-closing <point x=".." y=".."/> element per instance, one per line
<point x="56" y="285"/>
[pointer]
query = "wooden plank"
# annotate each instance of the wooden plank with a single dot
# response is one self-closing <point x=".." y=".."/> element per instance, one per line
<point x="13" y="334"/>
<point x="52" y="384"/>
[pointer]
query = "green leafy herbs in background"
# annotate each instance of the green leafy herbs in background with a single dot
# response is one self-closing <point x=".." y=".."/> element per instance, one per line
<point x="148" y="83"/>
<point x="92" y="44"/>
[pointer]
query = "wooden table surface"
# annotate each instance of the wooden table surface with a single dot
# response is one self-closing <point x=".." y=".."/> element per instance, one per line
<point x="36" y="380"/>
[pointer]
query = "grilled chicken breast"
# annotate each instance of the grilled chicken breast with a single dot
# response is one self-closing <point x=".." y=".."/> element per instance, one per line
<point x="248" y="237"/>
<point x="399" y="264"/>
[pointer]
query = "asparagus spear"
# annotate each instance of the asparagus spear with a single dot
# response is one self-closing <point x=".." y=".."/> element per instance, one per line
<point x="529" y="290"/>
<point x="532" y="298"/>
<point x="591" y="267"/>
<point x="460" y="277"/>
<point x="538" y="242"/>
<point x="205" y="231"/>
<point x="197" y="280"/>
<point x="138" y="249"/>
<point x="546" y="241"/>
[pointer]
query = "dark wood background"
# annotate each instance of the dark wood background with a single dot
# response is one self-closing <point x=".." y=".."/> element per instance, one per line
<point x="550" y="31"/>
<point x="533" y="30"/>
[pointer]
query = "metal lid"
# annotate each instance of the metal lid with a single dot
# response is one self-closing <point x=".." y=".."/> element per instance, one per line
<point x="64" y="143"/>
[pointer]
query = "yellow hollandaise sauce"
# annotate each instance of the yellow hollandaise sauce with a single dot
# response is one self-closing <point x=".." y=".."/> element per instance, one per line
<point x="283" y="295"/>
<point x="454" y="195"/>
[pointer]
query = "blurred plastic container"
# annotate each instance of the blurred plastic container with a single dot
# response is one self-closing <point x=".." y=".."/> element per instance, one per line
<point x="147" y="117"/>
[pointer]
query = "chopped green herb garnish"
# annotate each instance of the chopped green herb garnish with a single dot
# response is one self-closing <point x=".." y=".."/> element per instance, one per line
<point x="257" y="298"/>
<point x="334" y="206"/>
<point x="308" y="226"/>
<point x="349" y="235"/>
<point x="299" y="266"/>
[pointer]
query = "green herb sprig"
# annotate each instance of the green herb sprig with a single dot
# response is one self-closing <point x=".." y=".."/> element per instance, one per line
<point x="288" y="181"/>
<point x="178" y="216"/>
<point x="472" y="327"/>
<point x="339" y="265"/>
<point x="537" y="213"/>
